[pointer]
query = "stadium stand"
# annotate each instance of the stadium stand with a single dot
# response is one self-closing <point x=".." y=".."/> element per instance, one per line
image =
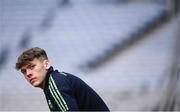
<point x="80" y="37"/>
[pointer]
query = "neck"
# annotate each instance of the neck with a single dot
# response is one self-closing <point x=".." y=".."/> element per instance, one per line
<point x="42" y="86"/>
<point x="45" y="82"/>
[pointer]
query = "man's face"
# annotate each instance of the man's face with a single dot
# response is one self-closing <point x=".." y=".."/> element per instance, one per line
<point x="35" y="72"/>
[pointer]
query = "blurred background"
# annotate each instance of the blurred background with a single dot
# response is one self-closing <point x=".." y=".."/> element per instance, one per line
<point x="127" y="50"/>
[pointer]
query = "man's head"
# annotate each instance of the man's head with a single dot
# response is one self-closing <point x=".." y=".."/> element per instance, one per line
<point x="34" y="64"/>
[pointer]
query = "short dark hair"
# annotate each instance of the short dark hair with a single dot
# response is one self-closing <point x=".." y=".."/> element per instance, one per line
<point x="29" y="55"/>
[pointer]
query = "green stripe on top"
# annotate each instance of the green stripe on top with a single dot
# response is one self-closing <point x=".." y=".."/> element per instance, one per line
<point x="57" y="91"/>
<point x="56" y="97"/>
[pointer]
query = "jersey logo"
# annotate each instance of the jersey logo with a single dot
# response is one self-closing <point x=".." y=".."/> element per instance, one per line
<point x="50" y="104"/>
<point x="63" y="73"/>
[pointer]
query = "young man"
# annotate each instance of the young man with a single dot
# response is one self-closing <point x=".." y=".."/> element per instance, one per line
<point x="63" y="91"/>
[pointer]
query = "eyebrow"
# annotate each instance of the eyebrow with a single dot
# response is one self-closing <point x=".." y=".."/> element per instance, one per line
<point x="26" y="66"/>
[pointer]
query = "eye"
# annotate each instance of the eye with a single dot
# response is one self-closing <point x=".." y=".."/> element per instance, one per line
<point x="32" y="66"/>
<point x="23" y="71"/>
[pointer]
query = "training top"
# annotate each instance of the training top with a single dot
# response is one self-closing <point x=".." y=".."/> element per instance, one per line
<point x="66" y="92"/>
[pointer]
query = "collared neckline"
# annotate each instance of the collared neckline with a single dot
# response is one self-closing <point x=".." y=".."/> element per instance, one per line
<point x="50" y="70"/>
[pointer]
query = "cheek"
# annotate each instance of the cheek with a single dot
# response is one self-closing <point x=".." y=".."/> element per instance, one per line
<point x="41" y="72"/>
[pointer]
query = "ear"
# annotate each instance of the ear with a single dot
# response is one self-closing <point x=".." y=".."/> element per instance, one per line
<point x="47" y="64"/>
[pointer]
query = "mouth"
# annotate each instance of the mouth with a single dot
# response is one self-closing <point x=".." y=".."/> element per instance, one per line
<point x="32" y="80"/>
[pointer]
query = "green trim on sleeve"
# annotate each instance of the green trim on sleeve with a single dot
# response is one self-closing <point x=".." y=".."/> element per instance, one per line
<point x="58" y="94"/>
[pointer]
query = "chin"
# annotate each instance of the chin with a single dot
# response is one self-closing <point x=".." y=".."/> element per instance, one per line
<point x="36" y="84"/>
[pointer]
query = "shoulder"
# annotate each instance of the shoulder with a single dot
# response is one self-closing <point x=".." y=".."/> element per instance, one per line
<point x="60" y="79"/>
<point x="60" y="76"/>
<point x="56" y="75"/>
<point x="71" y="77"/>
<point x="67" y="78"/>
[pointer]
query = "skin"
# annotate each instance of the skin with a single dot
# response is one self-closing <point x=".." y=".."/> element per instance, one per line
<point x="36" y="71"/>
